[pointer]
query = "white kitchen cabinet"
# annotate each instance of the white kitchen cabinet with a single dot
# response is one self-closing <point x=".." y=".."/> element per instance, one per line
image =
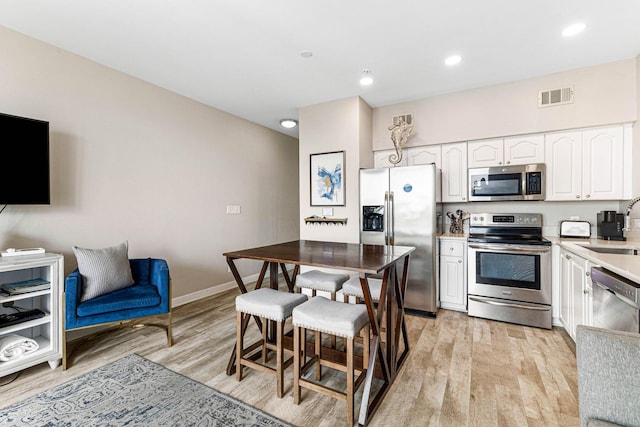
<point x="586" y="164"/>
<point x="424" y="155"/>
<point x="485" y="153"/>
<point x="381" y="159"/>
<point x="453" y="277"/>
<point x="575" y="292"/>
<point x="524" y="149"/>
<point x="454" y="173"/>
<point x="47" y="330"/>
<point x="516" y="150"/>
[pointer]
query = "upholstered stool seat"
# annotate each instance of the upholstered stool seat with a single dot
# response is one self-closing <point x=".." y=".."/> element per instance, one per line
<point x="352" y="288"/>
<point x="322" y="315"/>
<point x="268" y="305"/>
<point x="321" y="281"/>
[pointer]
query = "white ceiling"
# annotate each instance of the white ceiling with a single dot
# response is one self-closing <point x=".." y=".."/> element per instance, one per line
<point x="243" y="56"/>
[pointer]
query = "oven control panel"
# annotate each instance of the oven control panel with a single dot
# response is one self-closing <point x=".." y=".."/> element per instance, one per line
<point x="506" y="220"/>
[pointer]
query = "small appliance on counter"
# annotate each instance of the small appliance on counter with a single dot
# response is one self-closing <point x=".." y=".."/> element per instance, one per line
<point x="577" y="229"/>
<point x="610" y="225"/>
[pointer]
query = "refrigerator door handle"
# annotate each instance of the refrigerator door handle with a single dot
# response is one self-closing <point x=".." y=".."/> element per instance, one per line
<point x="386" y="217"/>
<point x="391" y="208"/>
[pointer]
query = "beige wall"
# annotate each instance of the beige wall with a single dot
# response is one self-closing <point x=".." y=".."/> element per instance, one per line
<point x="604" y="94"/>
<point x="131" y="161"/>
<point x="335" y="126"/>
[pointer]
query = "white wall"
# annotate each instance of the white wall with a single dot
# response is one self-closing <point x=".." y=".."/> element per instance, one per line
<point x="604" y="94"/>
<point x="131" y="161"/>
<point x="335" y="126"/>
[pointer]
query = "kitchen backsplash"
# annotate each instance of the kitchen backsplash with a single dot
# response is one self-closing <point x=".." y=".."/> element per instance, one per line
<point x="552" y="212"/>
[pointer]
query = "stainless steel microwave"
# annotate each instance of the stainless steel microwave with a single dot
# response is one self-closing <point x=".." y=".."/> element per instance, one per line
<point x="521" y="182"/>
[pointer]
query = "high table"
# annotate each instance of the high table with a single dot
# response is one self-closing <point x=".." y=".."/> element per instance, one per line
<point x="366" y="260"/>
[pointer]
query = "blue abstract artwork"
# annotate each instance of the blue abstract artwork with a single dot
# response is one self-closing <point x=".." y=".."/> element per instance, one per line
<point x="327" y="184"/>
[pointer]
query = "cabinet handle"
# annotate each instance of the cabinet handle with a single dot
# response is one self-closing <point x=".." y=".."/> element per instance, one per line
<point x="587" y="273"/>
<point x="509" y="162"/>
<point x="464" y="198"/>
<point x="567" y="257"/>
<point x="577" y="196"/>
<point x="499" y="163"/>
<point x="588" y="195"/>
<point x="459" y="261"/>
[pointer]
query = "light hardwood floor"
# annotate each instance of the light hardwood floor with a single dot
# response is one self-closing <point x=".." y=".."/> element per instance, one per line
<point x="462" y="371"/>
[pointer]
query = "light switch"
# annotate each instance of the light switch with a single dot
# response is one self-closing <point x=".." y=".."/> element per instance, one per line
<point x="233" y="209"/>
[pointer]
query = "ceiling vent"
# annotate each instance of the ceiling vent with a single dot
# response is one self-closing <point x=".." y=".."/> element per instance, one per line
<point x="548" y="98"/>
<point x="408" y="119"/>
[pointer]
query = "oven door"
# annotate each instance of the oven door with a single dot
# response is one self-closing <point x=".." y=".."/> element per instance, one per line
<point x="510" y="272"/>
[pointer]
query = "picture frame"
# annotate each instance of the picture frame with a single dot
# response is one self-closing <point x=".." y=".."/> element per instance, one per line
<point x="327" y="183"/>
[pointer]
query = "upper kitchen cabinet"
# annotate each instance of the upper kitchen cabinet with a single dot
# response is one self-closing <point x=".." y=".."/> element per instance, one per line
<point x="586" y="164"/>
<point x="424" y="155"/>
<point x="381" y="159"/>
<point x="454" y="172"/>
<point x="517" y="150"/>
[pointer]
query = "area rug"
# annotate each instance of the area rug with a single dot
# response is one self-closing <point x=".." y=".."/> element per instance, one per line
<point x="133" y="391"/>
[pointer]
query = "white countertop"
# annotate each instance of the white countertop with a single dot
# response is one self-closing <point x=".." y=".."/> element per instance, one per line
<point x="624" y="265"/>
<point x="460" y="236"/>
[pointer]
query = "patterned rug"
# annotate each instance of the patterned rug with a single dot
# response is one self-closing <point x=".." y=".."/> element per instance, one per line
<point x="133" y="391"/>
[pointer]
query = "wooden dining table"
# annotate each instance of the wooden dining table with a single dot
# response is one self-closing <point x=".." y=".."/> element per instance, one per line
<point x="387" y="356"/>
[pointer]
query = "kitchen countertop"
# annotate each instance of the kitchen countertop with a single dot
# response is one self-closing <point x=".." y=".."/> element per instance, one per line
<point x="461" y="236"/>
<point x="624" y="265"/>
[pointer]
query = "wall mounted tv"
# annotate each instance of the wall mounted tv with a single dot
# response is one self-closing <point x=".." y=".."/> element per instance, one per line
<point x="24" y="161"/>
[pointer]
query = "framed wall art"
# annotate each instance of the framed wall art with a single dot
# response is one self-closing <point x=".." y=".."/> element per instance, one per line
<point x="327" y="179"/>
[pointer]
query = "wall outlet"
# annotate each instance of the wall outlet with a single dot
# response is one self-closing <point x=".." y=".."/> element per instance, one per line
<point x="233" y="209"/>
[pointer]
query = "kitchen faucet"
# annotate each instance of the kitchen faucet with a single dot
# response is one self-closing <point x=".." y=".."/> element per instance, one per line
<point x="627" y="218"/>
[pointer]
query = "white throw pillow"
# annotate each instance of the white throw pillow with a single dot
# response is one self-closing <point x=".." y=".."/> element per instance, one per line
<point x="103" y="270"/>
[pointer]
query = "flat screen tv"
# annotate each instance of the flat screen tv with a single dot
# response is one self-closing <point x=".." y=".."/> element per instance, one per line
<point x="24" y="161"/>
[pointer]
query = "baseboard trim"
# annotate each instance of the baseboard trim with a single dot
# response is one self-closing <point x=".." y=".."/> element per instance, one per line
<point x="214" y="290"/>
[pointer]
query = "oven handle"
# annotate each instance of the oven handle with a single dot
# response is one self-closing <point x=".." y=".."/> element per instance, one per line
<point x="506" y="304"/>
<point x="510" y="248"/>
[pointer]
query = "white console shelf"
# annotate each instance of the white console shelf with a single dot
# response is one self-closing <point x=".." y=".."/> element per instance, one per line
<point x="46" y="331"/>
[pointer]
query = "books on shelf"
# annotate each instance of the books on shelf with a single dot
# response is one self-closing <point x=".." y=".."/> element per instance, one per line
<point x="25" y="286"/>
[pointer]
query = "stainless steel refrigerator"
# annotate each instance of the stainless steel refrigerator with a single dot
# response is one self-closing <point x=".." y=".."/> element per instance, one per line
<point x="398" y="207"/>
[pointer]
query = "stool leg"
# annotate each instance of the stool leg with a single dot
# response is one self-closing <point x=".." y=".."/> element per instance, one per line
<point x="296" y="363"/>
<point x="279" y="351"/>
<point x="318" y="344"/>
<point x="366" y="342"/>
<point x="239" y="346"/>
<point x="333" y="337"/>
<point x="350" y="381"/>
<point x="265" y="327"/>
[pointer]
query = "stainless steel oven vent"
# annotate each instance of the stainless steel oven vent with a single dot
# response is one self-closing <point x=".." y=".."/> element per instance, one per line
<point x="548" y="98"/>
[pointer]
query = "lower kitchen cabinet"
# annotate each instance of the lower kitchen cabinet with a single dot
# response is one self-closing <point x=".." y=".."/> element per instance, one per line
<point x="575" y="292"/>
<point x="453" y="274"/>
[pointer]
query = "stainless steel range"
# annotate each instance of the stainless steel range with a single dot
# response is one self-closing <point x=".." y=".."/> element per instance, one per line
<point x="509" y="269"/>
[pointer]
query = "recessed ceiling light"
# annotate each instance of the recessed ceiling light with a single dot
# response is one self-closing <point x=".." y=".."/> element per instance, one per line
<point x="453" y="60"/>
<point x="574" y="29"/>
<point x="306" y="54"/>
<point x="288" y="123"/>
<point x="367" y="78"/>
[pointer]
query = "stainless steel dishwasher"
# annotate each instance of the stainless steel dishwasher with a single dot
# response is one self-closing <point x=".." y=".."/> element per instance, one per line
<point x="615" y="301"/>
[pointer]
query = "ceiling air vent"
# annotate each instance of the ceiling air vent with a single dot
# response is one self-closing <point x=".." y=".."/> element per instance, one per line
<point x="548" y="98"/>
<point x="408" y="119"/>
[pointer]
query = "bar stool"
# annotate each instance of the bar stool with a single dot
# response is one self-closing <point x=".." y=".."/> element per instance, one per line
<point x="267" y="304"/>
<point x="317" y="280"/>
<point x="352" y="288"/>
<point x="320" y="314"/>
